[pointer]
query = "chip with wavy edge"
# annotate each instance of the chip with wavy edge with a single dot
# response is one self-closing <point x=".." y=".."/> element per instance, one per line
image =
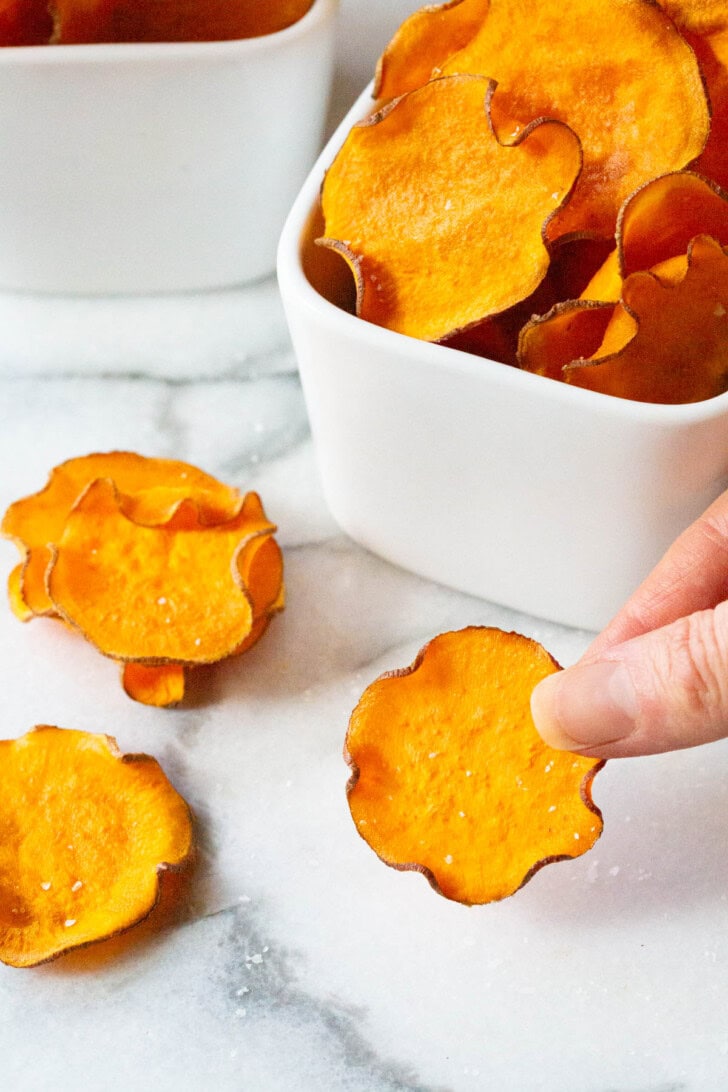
<point x="666" y="341"/>
<point x="87" y="833"/>
<point x="475" y="208"/>
<point x="616" y="71"/>
<point x="423" y="42"/>
<point x="168" y="593"/>
<point x="451" y="779"/>
<point x="150" y="487"/>
<point x="656" y="223"/>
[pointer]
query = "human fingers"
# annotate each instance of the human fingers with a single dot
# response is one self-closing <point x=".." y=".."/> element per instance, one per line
<point x="659" y="691"/>
<point x="692" y="576"/>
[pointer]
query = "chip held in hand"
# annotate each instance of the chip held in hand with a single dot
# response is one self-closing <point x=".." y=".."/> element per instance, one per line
<point x="451" y="779"/>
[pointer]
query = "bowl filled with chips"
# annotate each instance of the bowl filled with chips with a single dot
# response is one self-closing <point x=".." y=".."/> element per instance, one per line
<point x="509" y="298"/>
<point x="155" y="147"/>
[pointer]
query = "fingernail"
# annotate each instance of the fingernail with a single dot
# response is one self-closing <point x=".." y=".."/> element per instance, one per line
<point x="585" y="706"/>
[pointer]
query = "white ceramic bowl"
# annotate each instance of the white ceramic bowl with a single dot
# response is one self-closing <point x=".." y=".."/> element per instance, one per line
<point x="140" y="168"/>
<point x="549" y="499"/>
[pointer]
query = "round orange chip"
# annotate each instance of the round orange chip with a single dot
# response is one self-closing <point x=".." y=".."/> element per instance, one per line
<point x="153" y="594"/>
<point x="450" y="777"/>
<point x="441" y="222"/>
<point x="151" y="488"/>
<point x="87" y="832"/>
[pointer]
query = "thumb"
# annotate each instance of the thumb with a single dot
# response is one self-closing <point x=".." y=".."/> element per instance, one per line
<point x="661" y="691"/>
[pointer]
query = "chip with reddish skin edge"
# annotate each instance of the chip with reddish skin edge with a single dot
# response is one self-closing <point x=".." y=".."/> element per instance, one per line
<point x="86" y="21"/>
<point x="617" y="72"/>
<point x="25" y="22"/>
<point x="657" y="223"/>
<point x="423" y="42"/>
<point x="704" y="25"/>
<point x="679" y="352"/>
<point x="160" y="685"/>
<point x="168" y="593"/>
<point x="450" y="777"/>
<point x="475" y="212"/>
<point x="151" y="488"/>
<point x="569" y="330"/>
<point x="87" y="834"/>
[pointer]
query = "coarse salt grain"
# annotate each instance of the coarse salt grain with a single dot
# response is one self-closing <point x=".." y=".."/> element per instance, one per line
<point x="69" y="922"/>
<point x="77" y="885"/>
<point x="46" y="886"/>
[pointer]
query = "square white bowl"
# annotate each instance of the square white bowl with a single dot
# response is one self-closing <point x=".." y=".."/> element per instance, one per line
<point x="157" y="167"/>
<point x="546" y="498"/>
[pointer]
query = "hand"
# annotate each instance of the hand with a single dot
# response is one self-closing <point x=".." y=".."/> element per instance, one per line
<point x="656" y="679"/>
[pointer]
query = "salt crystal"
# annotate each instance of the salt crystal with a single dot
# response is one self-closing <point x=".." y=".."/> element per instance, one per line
<point x="69" y="922"/>
<point x="198" y="640"/>
<point x="162" y="600"/>
<point x="448" y="859"/>
<point x="433" y="754"/>
<point x="576" y="835"/>
<point x="468" y="773"/>
<point x="77" y="885"/>
<point x="46" y="886"/>
<point x="448" y="205"/>
<point x="553" y="807"/>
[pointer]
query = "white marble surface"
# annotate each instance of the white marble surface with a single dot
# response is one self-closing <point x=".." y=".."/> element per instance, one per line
<point x="302" y="962"/>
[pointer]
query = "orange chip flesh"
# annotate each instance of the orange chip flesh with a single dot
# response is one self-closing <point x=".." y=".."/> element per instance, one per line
<point x="87" y="832"/>
<point x="704" y="25"/>
<point x="169" y="593"/>
<point x="660" y="219"/>
<point x="424" y="42"/>
<point x="617" y="72"/>
<point x="151" y="488"/>
<point x="679" y="353"/>
<point x="570" y="330"/>
<point x="450" y="777"/>
<point x="160" y="685"/>
<point x="86" y="21"/>
<point x="475" y="210"/>
<point x="25" y="22"/>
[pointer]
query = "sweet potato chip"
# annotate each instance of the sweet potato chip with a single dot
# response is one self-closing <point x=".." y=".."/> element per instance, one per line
<point x="679" y="352"/>
<point x="450" y="777"/>
<point x="87" y="833"/>
<point x="25" y="22"/>
<point x="475" y="208"/>
<point x="170" y="593"/>
<point x="424" y="42"/>
<point x="569" y="331"/>
<point x="660" y="219"/>
<point x="617" y="73"/>
<point x="704" y="25"/>
<point x="84" y="21"/>
<point x="150" y="488"/>
<point x="160" y="685"/>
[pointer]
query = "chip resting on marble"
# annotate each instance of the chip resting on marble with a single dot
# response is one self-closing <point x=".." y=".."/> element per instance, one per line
<point x="88" y="834"/>
<point x="451" y="779"/>
<point x="159" y="565"/>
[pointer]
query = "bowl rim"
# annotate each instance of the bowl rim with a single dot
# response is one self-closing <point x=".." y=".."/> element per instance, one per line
<point x="144" y="52"/>
<point x="295" y="285"/>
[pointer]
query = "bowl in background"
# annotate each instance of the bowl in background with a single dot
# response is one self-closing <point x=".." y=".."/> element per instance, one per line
<point x="546" y="498"/>
<point x="157" y="167"/>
